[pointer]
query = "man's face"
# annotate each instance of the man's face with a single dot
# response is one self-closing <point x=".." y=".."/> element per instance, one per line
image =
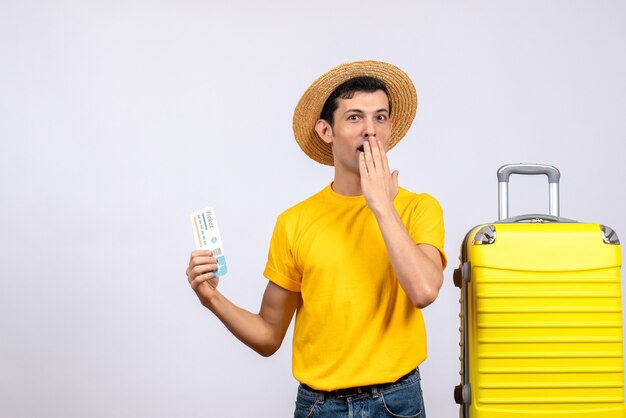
<point x="363" y="116"/>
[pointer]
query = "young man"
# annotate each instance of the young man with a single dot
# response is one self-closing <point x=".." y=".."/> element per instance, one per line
<point x="356" y="262"/>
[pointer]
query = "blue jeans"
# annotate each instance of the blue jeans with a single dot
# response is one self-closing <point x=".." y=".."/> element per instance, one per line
<point x="401" y="399"/>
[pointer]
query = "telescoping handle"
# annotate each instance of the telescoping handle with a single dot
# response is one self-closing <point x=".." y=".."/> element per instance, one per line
<point x="505" y="172"/>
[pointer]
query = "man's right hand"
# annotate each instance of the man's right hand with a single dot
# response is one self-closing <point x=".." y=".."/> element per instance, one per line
<point x="200" y="275"/>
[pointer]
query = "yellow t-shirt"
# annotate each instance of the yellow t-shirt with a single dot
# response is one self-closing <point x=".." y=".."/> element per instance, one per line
<point x="356" y="326"/>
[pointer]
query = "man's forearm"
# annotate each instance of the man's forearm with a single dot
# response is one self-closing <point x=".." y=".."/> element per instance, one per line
<point x="249" y="328"/>
<point x="263" y="332"/>
<point x="417" y="267"/>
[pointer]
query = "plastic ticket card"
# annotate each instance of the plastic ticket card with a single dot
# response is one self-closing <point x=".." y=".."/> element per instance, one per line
<point x="207" y="236"/>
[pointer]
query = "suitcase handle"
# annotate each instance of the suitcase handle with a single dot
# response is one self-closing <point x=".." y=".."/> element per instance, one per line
<point x="505" y="172"/>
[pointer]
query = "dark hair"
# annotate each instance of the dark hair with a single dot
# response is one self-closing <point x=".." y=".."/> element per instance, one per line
<point x="346" y="90"/>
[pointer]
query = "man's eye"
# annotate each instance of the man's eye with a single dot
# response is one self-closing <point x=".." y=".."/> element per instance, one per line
<point x="353" y="117"/>
<point x="382" y="117"/>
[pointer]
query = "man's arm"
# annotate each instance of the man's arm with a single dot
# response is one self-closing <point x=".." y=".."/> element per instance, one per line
<point x="419" y="268"/>
<point x="263" y="332"/>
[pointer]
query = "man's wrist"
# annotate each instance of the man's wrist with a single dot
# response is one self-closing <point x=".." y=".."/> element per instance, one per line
<point x="384" y="211"/>
<point x="210" y="299"/>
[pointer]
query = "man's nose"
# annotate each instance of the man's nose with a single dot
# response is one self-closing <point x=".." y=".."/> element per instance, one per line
<point x="369" y="128"/>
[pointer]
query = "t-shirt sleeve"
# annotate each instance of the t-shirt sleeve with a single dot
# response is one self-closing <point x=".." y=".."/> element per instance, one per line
<point x="427" y="225"/>
<point x="281" y="264"/>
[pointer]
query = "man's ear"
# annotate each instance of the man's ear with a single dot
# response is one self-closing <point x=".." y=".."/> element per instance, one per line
<point x="324" y="131"/>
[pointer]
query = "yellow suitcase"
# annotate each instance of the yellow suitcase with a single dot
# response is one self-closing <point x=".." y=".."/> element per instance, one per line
<point x="541" y="315"/>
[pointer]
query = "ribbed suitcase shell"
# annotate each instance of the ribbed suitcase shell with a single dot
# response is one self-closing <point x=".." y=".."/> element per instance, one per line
<point x="544" y="323"/>
<point x="541" y="314"/>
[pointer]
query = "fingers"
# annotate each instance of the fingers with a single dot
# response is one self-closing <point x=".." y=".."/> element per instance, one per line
<point x="201" y="267"/>
<point x="374" y="156"/>
<point x="362" y="164"/>
<point x="374" y="145"/>
<point x="200" y="257"/>
<point x="367" y="155"/>
<point x="383" y="157"/>
<point x="213" y="282"/>
<point x="394" y="182"/>
<point x="201" y="273"/>
<point x="201" y="253"/>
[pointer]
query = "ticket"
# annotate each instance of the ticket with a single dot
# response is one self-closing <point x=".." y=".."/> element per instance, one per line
<point x="207" y="236"/>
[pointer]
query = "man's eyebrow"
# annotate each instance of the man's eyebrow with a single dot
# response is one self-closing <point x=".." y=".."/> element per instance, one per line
<point x="361" y="111"/>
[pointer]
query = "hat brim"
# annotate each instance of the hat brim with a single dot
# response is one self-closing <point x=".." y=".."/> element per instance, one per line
<point x="402" y="96"/>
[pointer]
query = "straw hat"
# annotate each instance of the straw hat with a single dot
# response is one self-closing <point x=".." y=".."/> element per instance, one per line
<point x="402" y="96"/>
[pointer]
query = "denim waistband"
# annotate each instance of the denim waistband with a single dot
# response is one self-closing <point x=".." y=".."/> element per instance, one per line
<point x="360" y="390"/>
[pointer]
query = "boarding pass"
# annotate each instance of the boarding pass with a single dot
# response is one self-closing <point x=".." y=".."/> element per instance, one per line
<point x="207" y="236"/>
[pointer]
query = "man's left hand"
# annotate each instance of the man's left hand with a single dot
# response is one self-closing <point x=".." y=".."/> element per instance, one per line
<point x="378" y="184"/>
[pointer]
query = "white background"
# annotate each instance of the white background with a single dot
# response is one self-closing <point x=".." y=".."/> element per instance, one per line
<point x="119" y="118"/>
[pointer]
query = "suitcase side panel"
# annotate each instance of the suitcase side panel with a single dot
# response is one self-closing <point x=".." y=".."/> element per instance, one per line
<point x="545" y="339"/>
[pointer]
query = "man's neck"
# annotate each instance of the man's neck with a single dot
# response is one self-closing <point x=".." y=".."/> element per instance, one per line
<point x="347" y="185"/>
